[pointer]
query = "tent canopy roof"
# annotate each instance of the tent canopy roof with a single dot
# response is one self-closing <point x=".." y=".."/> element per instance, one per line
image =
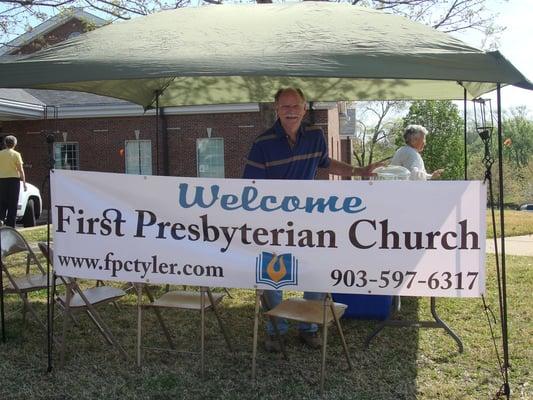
<point x="244" y="53"/>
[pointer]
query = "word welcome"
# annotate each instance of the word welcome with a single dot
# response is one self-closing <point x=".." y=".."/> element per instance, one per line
<point x="250" y="200"/>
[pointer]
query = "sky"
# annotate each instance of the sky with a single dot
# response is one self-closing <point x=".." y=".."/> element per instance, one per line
<point x="516" y="44"/>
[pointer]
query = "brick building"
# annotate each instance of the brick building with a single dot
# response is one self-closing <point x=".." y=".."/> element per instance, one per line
<point x="98" y="133"/>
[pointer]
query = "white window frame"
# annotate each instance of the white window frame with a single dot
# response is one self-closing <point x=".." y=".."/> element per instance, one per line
<point x="144" y="166"/>
<point x="57" y="152"/>
<point x="200" y="171"/>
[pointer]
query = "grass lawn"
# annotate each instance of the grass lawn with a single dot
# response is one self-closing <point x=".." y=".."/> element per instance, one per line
<point x="404" y="363"/>
<point x="516" y="223"/>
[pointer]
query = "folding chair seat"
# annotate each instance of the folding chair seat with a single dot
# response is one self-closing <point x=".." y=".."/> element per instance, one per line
<point x="318" y="312"/>
<point x="75" y="300"/>
<point x="201" y="301"/>
<point x="16" y="253"/>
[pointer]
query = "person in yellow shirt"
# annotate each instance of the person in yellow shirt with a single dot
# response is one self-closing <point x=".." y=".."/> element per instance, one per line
<point x="11" y="173"/>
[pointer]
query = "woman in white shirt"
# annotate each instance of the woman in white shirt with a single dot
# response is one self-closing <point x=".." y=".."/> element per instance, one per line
<point x="408" y="156"/>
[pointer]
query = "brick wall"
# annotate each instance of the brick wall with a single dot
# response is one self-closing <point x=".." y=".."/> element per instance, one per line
<point x="328" y="120"/>
<point x="347" y="150"/>
<point x="55" y="36"/>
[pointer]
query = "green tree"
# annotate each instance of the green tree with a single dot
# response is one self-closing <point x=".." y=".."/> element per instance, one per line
<point x="518" y="137"/>
<point x="517" y="157"/>
<point x="374" y="139"/>
<point x="444" y="147"/>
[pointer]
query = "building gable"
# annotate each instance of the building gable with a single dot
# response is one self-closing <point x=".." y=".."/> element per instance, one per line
<point x="54" y="30"/>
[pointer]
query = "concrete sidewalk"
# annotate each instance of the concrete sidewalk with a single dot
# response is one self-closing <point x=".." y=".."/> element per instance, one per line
<point x="514" y="245"/>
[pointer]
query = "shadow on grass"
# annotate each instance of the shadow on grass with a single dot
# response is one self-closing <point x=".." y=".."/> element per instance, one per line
<point x="386" y="370"/>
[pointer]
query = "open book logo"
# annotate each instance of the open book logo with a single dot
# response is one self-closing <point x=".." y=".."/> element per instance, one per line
<point x="276" y="270"/>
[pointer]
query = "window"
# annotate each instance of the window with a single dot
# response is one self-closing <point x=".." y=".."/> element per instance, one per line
<point x="210" y="157"/>
<point x="67" y="155"/>
<point x="139" y="157"/>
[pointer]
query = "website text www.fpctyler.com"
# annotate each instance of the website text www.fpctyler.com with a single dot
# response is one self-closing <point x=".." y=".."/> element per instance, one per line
<point x="142" y="267"/>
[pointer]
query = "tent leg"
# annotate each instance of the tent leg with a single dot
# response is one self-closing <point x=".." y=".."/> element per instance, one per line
<point x="505" y="338"/>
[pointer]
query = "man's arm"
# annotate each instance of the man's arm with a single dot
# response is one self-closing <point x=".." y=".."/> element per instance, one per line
<point x="341" y="168"/>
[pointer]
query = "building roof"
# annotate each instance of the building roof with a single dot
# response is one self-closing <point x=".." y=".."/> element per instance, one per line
<point x="19" y="95"/>
<point x="18" y="104"/>
<point x="49" y="25"/>
<point x="67" y="98"/>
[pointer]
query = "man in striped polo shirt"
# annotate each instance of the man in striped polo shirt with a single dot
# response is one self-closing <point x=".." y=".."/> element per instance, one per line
<point x="289" y="150"/>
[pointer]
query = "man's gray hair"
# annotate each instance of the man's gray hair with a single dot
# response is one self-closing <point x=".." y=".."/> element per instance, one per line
<point x="412" y="131"/>
<point x="10" y="141"/>
<point x="296" y="90"/>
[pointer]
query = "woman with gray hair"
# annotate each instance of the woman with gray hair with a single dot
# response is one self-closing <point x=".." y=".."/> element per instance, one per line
<point x="408" y="156"/>
<point x="11" y="173"/>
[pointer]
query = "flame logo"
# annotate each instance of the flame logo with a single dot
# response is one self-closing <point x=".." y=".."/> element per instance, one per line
<point x="276" y="275"/>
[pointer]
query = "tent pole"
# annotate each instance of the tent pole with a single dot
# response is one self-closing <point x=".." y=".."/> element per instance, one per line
<point x="505" y="338"/>
<point x="2" y="316"/>
<point x="157" y="93"/>
<point x="164" y="141"/>
<point x="49" y="295"/>
<point x="465" y="151"/>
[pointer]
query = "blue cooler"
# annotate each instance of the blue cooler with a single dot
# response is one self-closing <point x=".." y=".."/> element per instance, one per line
<point x="362" y="306"/>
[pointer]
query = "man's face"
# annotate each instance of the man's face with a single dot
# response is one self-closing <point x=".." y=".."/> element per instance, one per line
<point x="291" y="110"/>
<point x="419" y="142"/>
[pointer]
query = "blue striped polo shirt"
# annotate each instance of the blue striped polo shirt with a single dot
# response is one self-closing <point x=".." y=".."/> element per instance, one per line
<point x="271" y="156"/>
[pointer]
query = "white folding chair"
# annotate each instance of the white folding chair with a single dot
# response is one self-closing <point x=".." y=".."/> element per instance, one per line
<point x="75" y="300"/>
<point x="202" y="301"/>
<point x="17" y="255"/>
<point x="317" y="312"/>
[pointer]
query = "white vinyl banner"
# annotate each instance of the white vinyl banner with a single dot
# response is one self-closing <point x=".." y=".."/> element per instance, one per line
<point x="370" y="237"/>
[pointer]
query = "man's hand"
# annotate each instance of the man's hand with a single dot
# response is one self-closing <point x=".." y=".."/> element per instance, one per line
<point x="437" y="173"/>
<point x="367" y="171"/>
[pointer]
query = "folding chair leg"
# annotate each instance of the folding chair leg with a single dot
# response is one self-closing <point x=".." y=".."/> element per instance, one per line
<point x="100" y="324"/>
<point x="99" y="327"/>
<point x="222" y="327"/>
<point x="115" y="304"/>
<point x="160" y="319"/>
<point x="65" y="326"/>
<point x="202" y="331"/>
<point x="2" y="311"/>
<point x="341" y="334"/>
<point x="258" y="294"/>
<point x="279" y="338"/>
<point x="71" y="316"/>
<point x="24" y="309"/>
<point x="275" y="326"/>
<point x="138" y="288"/>
<point x="29" y="308"/>
<point x="228" y="293"/>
